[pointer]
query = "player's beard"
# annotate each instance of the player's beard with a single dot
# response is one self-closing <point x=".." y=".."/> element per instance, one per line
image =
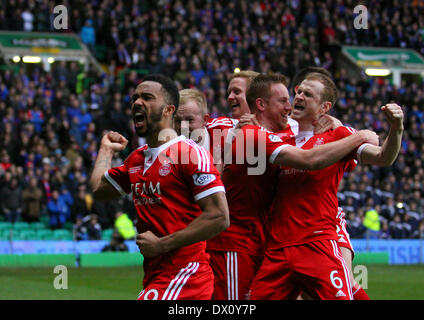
<point x="151" y="126"/>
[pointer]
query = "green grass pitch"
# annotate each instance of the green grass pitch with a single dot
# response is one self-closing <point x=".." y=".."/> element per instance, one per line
<point x="388" y="282"/>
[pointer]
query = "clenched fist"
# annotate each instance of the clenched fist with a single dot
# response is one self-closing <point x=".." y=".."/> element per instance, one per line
<point x="394" y="115"/>
<point x="114" y="141"/>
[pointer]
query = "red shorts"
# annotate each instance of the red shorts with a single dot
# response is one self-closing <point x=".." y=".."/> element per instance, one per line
<point x="193" y="282"/>
<point x="344" y="238"/>
<point x="233" y="272"/>
<point x="317" y="268"/>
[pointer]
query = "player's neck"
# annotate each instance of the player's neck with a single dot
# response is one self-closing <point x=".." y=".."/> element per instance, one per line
<point x="305" y="125"/>
<point x="268" y="124"/>
<point x="161" y="137"/>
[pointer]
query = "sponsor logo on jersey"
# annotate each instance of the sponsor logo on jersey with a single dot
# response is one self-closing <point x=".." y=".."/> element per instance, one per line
<point x="144" y="189"/>
<point x="274" y="138"/>
<point x="165" y="169"/>
<point x="319" y="142"/>
<point x="134" y="169"/>
<point x="340" y="294"/>
<point x="289" y="171"/>
<point x="146" y="193"/>
<point x="203" y="179"/>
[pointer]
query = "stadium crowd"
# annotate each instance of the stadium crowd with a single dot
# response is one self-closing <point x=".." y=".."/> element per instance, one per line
<point x="51" y="122"/>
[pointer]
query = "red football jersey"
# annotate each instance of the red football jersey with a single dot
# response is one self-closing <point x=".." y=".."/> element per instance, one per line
<point x="165" y="183"/>
<point x="306" y="204"/>
<point x="218" y="129"/>
<point x="249" y="195"/>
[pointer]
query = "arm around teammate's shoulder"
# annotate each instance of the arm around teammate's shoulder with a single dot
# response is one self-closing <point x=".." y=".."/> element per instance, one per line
<point x="324" y="155"/>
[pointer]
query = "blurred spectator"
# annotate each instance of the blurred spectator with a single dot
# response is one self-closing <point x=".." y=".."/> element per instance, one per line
<point x="88" y="34"/>
<point x="354" y="225"/>
<point x="80" y="229"/>
<point x="32" y="197"/>
<point x="385" y="231"/>
<point x="57" y="210"/>
<point x="82" y="204"/>
<point x="419" y="233"/>
<point x="397" y="228"/>
<point x="199" y="44"/>
<point x="116" y="244"/>
<point x="372" y="222"/>
<point x="11" y="200"/>
<point x="124" y="226"/>
<point x="87" y="228"/>
<point x="94" y="230"/>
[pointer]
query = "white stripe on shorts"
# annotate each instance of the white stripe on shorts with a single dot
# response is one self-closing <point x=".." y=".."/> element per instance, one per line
<point x="179" y="281"/>
<point x="339" y="256"/>
<point x="232" y="275"/>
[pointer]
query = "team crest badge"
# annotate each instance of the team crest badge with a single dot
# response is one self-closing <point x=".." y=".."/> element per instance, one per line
<point x="165" y="169"/>
<point x="319" y="142"/>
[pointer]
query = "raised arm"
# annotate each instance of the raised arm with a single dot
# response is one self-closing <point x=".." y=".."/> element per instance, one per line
<point x="213" y="220"/>
<point x="324" y="155"/>
<point x="111" y="142"/>
<point x="388" y="152"/>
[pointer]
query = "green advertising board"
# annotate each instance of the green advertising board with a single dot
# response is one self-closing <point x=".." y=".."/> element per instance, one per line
<point x="38" y="41"/>
<point x="384" y="57"/>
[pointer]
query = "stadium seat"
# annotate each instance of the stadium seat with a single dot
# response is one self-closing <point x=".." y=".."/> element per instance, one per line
<point x="62" y="234"/>
<point x="45" y="234"/>
<point x="45" y="220"/>
<point x="17" y="235"/>
<point x="28" y="234"/>
<point x="4" y="234"/>
<point x="5" y="225"/>
<point x="107" y="234"/>
<point x="37" y="225"/>
<point x="69" y="226"/>
<point x="21" y="226"/>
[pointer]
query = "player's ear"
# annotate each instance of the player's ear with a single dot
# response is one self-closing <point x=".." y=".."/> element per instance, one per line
<point x="169" y="110"/>
<point x="260" y="104"/>
<point x="326" y="106"/>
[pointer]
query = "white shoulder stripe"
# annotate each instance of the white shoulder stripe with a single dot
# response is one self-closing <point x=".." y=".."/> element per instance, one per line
<point x="203" y="158"/>
<point x="352" y="130"/>
<point x="114" y="183"/>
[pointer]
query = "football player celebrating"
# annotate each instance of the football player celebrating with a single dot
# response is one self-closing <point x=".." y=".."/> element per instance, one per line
<point x="236" y="253"/>
<point x="302" y="252"/>
<point x="179" y="203"/>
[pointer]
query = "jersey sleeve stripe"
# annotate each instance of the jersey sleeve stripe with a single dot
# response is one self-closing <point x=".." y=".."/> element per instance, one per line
<point x="199" y="163"/>
<point x="352" y="130"/>
<point x="276" y="152"/>
<point x="360" y="149"/>
<point x="208" y="192"/>
<point x="206" y="159"/>
<point x="114" y="183"/>
<point x="213" y="125"/>
<point x="203" y="158"/>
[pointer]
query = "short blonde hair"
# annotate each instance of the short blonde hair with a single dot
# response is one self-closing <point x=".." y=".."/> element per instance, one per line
<point x="249" y="75"/>
<point x="196" y="96"/>
<point x="329" y="93"/>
